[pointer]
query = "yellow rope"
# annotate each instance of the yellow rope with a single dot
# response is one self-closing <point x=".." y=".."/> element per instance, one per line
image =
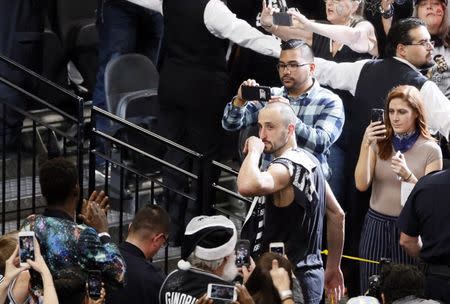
<point x="353" y="258"/>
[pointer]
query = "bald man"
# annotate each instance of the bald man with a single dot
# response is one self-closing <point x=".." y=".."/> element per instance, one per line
<point x="293" y="199"/>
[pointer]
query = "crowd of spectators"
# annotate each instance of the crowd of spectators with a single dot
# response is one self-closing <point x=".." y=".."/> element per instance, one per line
<point x="316" y="136"/>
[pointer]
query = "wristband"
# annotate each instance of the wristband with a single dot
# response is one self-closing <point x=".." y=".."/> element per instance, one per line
<point x="386" y="14"/>
<point x="104" y="237"/>
<point x="409" y="176"/>
<point x="285" y="294"/>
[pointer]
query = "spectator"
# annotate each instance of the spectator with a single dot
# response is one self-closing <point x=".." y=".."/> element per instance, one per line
<point x="18" y="289"/>
<point x="346" y="28"/>
<point x="207" y="256"/>
<point x="320" y="112"/>
<point x="294" y="198"/>
<point x="196" y="37"/>
<point x="384" y="12"/>
<point x="12" y="271"/>
<point x="399" y="151"/>
<point x="124" y="27"/>
<point x="147" y="233"/>
<point x="401" y="284"/>
<point x="424" y="223"/>
<point x="64" y="243"/>
<point x="22" y="25"/>
<point x="369" y="82"/>
<point x="260" y="283"/>
<point x="435" y="15"/>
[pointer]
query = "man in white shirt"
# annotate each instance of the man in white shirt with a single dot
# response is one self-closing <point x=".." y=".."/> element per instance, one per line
<point x="193" y="90"/>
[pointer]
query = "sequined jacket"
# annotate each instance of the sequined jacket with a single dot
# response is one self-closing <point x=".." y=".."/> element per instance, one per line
<point x="65" y="244"/>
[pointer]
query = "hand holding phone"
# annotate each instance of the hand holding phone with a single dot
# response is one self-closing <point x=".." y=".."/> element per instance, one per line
<point x="260" y="93"/>
<point x="94" y="284"/>
<point x="243" y="253"/>
<point x="222" y="292"/>
<point x="26" y="247"/>
<point x="277" y="247"/>
<point x="377" y="115"/>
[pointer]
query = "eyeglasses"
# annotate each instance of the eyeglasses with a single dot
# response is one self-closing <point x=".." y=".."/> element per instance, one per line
<point x="291" y="66"/>
<point x="424" y="43"/>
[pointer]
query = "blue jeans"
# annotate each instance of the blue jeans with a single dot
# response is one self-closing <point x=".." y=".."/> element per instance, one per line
<point x="123" y="27"/>
<point x="312" y="282"/>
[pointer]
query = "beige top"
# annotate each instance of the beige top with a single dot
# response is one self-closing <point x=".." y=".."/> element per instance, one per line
<point x="385" y="197"/>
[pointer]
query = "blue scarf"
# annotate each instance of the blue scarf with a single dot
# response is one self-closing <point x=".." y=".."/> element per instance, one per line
<point x="404" y="142"/>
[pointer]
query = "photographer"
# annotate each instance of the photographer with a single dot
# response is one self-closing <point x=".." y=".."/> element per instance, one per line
<point x="397" y="150"/>
<point x="320" y="112"/>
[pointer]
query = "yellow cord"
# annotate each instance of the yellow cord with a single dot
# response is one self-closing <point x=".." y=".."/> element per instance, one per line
<point x="353" y="258"/>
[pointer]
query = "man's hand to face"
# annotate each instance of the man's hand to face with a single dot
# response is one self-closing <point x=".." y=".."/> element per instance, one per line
<point x="253" y="144"/>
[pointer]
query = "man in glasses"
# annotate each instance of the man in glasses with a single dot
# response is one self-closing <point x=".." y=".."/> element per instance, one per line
<point x="147" y="234"/>
<point x="320" y="112"/>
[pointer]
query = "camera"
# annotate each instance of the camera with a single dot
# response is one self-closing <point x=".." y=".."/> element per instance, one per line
<point x="222" y="292"/>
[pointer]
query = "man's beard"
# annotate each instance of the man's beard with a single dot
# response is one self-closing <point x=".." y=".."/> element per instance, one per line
<point x="230" y="270"/>
<point x="426" y="66"/>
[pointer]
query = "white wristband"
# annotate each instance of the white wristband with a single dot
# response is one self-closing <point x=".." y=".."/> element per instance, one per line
<point x="103" y="234"/>
<point x="285" y="294"/>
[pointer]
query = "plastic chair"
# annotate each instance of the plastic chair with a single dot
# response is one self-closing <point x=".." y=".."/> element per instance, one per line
<point x="131" y="83"/>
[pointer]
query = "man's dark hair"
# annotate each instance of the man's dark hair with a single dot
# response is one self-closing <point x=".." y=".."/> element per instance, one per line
<point x="399" y="281"/>
<point x="306" y="50"/>
<point x="70" y="285"/>
<point x="151" y="218"/>
<point x="400" y="34"/>
<point x="58" y="178"/>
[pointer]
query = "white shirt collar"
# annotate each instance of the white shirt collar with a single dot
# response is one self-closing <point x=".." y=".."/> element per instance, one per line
<point x="408" y="63"/>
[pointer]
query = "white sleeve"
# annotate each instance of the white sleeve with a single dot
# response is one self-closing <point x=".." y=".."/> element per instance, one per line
<point x="155" y="5"/>
<point x="343" y="76"/>
<point x="222" y="23"/>
<point x="437" y="107"/>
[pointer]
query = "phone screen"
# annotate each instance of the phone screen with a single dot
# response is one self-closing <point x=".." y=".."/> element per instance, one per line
<point x="277" y="249"/>
<point x="94" y="284"/>
<point x="26" y="248"/>
<point x="243" y="253"/>
<point x="282" y="18"/>
<point x="222" y="292"/>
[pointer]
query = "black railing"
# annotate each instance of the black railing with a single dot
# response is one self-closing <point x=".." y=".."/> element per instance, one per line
<point x="37" y="123"/>
<point x="132" y="175"/>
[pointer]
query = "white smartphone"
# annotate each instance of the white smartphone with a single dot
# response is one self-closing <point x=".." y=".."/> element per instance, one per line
<point x="26" y="247"/>
<point x="277" y="247"/>
<point x="222" y="292"/>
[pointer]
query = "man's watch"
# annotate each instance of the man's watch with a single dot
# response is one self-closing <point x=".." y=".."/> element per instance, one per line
<point x="388" y="13"/>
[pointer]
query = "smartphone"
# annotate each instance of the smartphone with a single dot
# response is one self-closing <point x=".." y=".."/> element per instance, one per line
<point x="282" y="18"/>
<point x="377" y="115"/>
<point x="94" y="284"/>
<point x="243" y="253"/>
<point x="222" y="292"/>
<point x="260" y="93"/>
<point x="26" y="247"/>
<point x="277" y="247"/>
